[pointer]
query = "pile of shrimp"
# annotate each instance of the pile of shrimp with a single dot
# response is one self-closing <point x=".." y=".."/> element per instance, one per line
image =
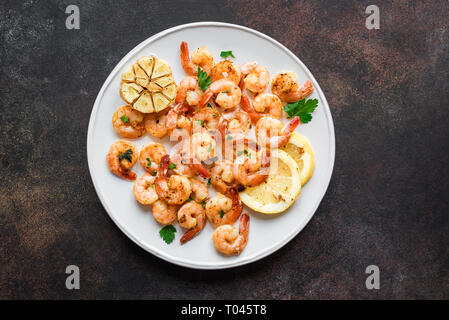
<point x="175" y="185"/>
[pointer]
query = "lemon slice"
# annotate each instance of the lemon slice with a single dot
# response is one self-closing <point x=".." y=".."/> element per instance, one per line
<point x="300" y="149"/>
<point x="281" y="189"/>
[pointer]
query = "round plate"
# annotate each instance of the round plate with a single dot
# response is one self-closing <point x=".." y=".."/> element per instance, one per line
<point x="268" y="233"/>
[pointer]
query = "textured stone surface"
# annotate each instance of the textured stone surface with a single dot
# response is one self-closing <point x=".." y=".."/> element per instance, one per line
<point x="387" y="203"/>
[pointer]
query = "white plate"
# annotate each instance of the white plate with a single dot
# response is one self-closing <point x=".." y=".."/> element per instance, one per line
<point x="267" y="233"/>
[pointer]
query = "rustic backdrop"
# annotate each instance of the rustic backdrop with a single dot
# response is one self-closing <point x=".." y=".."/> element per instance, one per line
<point x="387" y="203"/>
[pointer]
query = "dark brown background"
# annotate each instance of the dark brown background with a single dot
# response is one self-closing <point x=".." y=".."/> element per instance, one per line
<point x="387" y="203"/>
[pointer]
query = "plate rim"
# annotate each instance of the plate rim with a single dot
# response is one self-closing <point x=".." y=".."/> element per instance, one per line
<point x="246" y="260"/>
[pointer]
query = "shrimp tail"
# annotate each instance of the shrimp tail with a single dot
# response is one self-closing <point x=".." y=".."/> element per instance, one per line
<point x="246" y="106"/>
<point x="302" y="92"/>
<point x="206" y="97"/>
<point x="187" y="65"/>
<point x="163" y="165"/>
<point x="282" y="140"/>
<point x="127" y="174"/>
<point x="244" y="225"/>
<point x="201" y="170"/>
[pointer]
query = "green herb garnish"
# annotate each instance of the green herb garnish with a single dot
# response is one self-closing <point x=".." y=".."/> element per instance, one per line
<point x="167" y="233"/>
<point x="172" y="166"/>
<point x="124" y="119"/>
<point x="222" y="213"/>
<point x="126" y="155"/>
<point x="149" y="162"/>
<point x="203" y="203"/>
<point x="204" y="80"/>
<point x="154" y="173"/>
<point x="303" y="109"/>
<point x="225" y="54"/>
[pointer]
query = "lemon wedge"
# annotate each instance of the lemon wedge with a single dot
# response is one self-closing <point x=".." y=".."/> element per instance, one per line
<point x="281" y="189"/>
<point x="300" y="149"/>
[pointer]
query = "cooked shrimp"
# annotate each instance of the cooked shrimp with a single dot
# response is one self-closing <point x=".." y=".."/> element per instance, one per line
<point x="182" y="166"/>
<point x="228" y="241"/>
<point x="155" y="124"/>
<point x="188" y="91"/>
<point x="201" y="145"/>
<point x="143" y="189"/>
<point x="250" y="172"/>
<point x="237" y="121"/>
<point x="222" y="176"/>
<point x="222" y="210"/>
<point x="226" y="70"/>
<point x="193" y="217"/>
<point x="199" y="190"/>
<point x="285" y="86"/>
<point x="257" y="77"/>
<point x="174" y="190"/>
<point x="270" y="132"/>
<point x="268" y="103"/>
<point x="128" y="122"/>
<point x="163" y="212"/>
<point x="206" y="117"/>
<point x="228" y="94"/>
<point x="121" y="158"/>
<point x="177" y="119"/>
<point x="150" y="156"/>
<point x="201" y="57"/>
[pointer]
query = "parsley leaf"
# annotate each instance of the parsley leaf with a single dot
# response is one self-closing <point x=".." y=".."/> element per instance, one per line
<point x="154" y="173"/>
<point x="208" y="182"/>
<point x="204" y="80"/>
<point x="172" y="166"/>
<point x="303" y="109"/>
<point x="149" y="163"/>
<point x="167" y="234"/>
<point x="222" y="213"/>
<point x="225" y="54"/>
<point x="203" y="203"/>
<point x="126" y="155"/>
<point x="124" y="119"/>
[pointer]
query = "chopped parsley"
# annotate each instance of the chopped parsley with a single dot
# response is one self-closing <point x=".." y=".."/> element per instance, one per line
<point x="225" y="54"/>
<point x="167" y="234"/>
<point x="149" y="162"/>
<point x="203" y="203"/>
<point x="124" y="119"/>
<point x="126" y="155"/>
<point x="222" y="213"/>
<point x="154" y="173"/>
<point x="204" y="80"/>
<point x="303" y="109"/>
<point x="172" y="166"/>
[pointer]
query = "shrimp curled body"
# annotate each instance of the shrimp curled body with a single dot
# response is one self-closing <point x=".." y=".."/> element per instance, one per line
<point x="228" y="241"/>
<point x="121" y="158"/>
<point x="191" y="216"/>
<point x="228" y="94"/>
<point x="163" y="212"/>
<point x="144" y="191"/>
